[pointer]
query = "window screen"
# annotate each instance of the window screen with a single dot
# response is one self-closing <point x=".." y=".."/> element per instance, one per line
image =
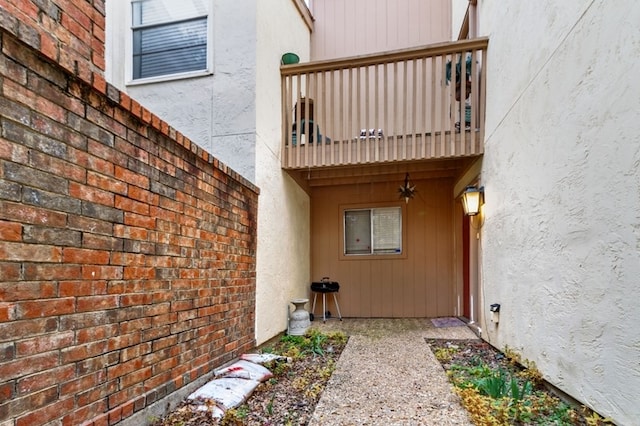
<point x="373" y="231"/>
<point x="169" y="37"/>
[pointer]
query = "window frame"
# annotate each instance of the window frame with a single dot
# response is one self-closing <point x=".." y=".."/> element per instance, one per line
<point x="374" y="256"/>
<point x="175" y="76"/>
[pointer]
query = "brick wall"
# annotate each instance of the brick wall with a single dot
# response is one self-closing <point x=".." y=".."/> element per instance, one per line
<point x="127" y="253"/>
<point x="68" y="32"/>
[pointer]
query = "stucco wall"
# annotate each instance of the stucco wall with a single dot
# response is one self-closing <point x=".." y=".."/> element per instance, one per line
<point x="216" y="111"/>
<point x="561" y="172"/>
<point x="283" y="220"/>
<point x="458" y="11"/>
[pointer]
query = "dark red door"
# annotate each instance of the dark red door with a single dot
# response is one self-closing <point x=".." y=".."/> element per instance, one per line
<point x="466" y="300"/>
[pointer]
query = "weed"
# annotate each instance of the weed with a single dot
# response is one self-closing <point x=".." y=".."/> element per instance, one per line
<point x="594" y="419"/>
<point x="234" y="417"/>
<point x="445" y="354"/>
<point x="270" y="406"/>
<point x="511" y="355"/>
<point x="494" y="386"/>
<point x="505" y="395"/>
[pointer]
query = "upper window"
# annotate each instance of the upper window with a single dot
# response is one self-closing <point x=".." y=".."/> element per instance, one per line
<point x="169" y="37"/>
<point x="373" y="231"/>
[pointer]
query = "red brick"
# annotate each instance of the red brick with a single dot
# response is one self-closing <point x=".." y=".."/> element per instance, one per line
<point x="93" y="334"/>
<point x="46" y="414"/>
<point x="131" y="177"/>
<point x="10" y="271"/>
<point x="141" y="221"/>
<point x="85" y="256"/>
<point x="82" y="288"/>
<point x="88" y="410"/>
<point x="82" y="384"/>
<point x="29" y="252"/>
<point x="107" y="153"/>
<point x="102" y="242"/>
<point x="97" y="363"/>
<point x="25" y="96"/>
<point x="44" y="343"/>
<point x="124" y="368"/>
<point x="99" y="83"/>
<point x="45" y="308"/>
<point x="98" y="169"/>
<point x="25" y="404"/>
<point x="7" y="311"/>
<point x="135" y="325"/>
<point x="125" y="395"/>
<point x="7" y="391"/>
<point x="50" y="271"/>
<point x="43" y="380"/>
<point x="139" y="273"/>
<point x="93" y="272"/>
<point x="130" y="259"/>
<point x="33" y="215"/>
<point x="124" y="341"/>
<point x="131" y="232"/>
<point x="76" y="353"/>
<point x="10" y="231"/>
<point x="127" y="409"/>
<point x="96" y="303"/>
<point x="84" y="192"/>
<point x="27" y="290"/>
<point x="135" y="377"/>
<point x="127" y="204"/>
<point x="27" y="365"/>
<point x="107" y="183"/>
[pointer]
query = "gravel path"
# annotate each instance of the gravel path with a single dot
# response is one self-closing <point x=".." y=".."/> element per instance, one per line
<point x="387" y="375"/>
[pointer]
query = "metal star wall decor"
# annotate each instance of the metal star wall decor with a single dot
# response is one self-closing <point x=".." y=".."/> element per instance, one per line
<point x="407" y="191"/>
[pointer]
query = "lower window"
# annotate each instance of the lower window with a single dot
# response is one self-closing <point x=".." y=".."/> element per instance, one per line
<point x="373" y="231"/>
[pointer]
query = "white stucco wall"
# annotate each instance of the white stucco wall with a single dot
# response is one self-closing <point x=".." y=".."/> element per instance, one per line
<point x="283" y="209"/>
<point x="458" y="10"/>
<point x="560" y="246"/>
<point x="217" y="111"/>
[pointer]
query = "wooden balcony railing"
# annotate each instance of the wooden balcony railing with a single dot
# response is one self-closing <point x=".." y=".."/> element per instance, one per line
<point x="415" y="104"/>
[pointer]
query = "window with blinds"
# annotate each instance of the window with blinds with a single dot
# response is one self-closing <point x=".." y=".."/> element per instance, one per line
<point x="373" y="231"/>
<point x="169" y="37"/>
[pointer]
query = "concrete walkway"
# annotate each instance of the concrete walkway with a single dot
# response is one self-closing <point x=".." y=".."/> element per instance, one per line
<point x="387" y="375"/>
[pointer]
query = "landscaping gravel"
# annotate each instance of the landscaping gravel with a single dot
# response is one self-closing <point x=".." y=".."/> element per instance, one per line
<point x="387" y="375"/>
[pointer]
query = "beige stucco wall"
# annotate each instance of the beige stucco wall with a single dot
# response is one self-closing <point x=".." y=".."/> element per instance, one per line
<point x="561" y="238"/>
<point x="283" y="210"/>
<point x="458" y="11"/>
<point x="216" y="111"/>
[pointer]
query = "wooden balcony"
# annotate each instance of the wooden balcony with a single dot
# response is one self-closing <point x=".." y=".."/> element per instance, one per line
<point x="416" y="104"/>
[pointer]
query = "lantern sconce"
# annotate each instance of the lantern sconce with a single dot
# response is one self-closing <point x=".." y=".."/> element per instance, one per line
<point x="472" y="200"/>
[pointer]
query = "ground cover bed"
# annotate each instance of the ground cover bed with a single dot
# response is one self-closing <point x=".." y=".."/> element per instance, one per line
<point x="499" y="388"/>
<point x="287" y="398"/>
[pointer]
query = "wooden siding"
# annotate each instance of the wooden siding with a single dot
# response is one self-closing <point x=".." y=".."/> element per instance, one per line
<point x="357" y="27"/>
<point x="407" y="98"/>
<point x="419" y="283"/>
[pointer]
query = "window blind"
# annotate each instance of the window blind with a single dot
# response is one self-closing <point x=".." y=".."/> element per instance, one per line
<point x="387" y="230"/>
<point x="168" y="39"/>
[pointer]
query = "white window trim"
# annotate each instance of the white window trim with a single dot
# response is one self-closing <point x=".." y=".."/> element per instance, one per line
<point x="130" y="81"/>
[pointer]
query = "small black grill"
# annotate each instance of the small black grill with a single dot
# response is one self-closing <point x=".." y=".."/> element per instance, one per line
<point x="323" y="287"/>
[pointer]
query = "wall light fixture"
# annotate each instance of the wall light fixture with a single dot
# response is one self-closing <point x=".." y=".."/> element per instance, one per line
<point x="472" y="199"/>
